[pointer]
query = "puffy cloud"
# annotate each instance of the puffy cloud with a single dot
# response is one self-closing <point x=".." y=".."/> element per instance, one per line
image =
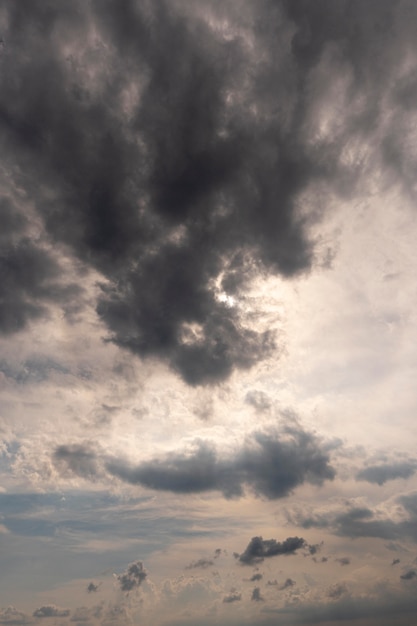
<point x="271" y="463"/>
<point x="133" y="577"/>
<point x="259" y="549"/>
<point x="50" y="610"/>
<point x="11" y="615"/>
<point x="93" y="587"/>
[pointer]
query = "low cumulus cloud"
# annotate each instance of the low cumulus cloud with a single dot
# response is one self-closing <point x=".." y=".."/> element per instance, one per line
<point x="196" y="167"/>
<point x="133" y="577"/>
<point x="50" y="610"/>
<point x="11" y="615"/>
<point x="259" y="549"/>
<point x="272" y="463"/>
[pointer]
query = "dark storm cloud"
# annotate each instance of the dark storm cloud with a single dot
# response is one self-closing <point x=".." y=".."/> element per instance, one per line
<point x="380" y="474"/>
<point x="133" y="577"/>
<point x="169" y="157"/>
<point x="50" y="610"/>
<point x="271" y="463"/>
<point x="30" y="277"/>
<point x="259" y="549"/>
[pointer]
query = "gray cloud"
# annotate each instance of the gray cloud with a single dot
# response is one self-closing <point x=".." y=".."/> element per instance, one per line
<point x="337" y="590"/>
<point x="255" y="577"/>
<point x="380" y="474"/>
<point x="173" y="173"/>
<point x="133" y="577"/>
<point x="288" y="583"/>
<point x="363" y="522"/>
<point x="259" y="549"/>
<point x="11" y="615"/>
<point x="271" y="463"/>
<point x="256" y="595"/>
<point x="50" y="610"/>
<point x="30" y="275"/>
<point x="93" y="587"/>
<point x="409" y="575"/>
<point x="77" y="459"/>
<point x="233" y="596"/>
<point x="343" y="560"/>
<point x="201" y="563"/>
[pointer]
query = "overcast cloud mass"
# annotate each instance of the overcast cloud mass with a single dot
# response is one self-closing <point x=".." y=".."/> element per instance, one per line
<point x="207" y="312"/>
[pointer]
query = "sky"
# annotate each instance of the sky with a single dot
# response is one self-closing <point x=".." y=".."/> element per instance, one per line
<point x="208" y="312"/>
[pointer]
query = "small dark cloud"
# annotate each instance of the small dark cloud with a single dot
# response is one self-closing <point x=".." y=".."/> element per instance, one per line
<point x="217" y="553"/>
<point x="272" y="583"/>
<point x="344" y="560"/>
<point x="256" y="595"/>
<point x="259" y="549"/>
<point x="395" y="561"/>
<point x="93" y="587"/>
<point x="314" y="548"/>
<point x="380" y="474"/>
<point x="255" y="577"/>
<point x="288" y="583"/>
<point x="259" y="400"/>
<point x="200" y="564"/>
<point x="77" y="459"/>
<point x="50" y="610"/>
<point x="133" y="577"/>
<point x="409" y="575"/>
<point x="233" y="596"/>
